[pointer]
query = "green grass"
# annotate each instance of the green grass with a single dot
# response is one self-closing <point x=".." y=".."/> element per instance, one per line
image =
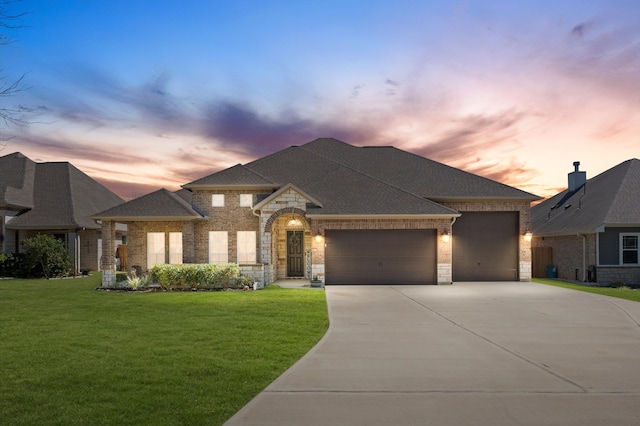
<point x="622" y="292"/>
<point x="73" y="355"/>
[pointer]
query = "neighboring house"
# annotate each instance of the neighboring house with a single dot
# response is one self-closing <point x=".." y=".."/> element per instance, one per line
<point x="592" y="228"/>
<point x="348" y="215"/>
<point x="55" y="199"/>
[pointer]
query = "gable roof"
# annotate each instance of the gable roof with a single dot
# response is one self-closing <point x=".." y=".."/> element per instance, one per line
<point x="609" y="199"/>
<point x="17" y="177"/>
<point x="237" y="176"/>
<point x="63" y="198"/>
<point x="158" y="205"/>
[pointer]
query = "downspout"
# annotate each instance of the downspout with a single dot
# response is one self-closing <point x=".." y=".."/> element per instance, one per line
<point x="584" y="257"/>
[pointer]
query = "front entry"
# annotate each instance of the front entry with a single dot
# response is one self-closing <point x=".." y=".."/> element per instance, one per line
<point x="295" y="250"/>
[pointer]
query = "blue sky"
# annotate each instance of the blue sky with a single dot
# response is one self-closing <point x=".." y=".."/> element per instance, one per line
<point x="147" y="94"/>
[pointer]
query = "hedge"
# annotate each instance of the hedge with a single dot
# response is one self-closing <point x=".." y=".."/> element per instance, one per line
<point x="198" y="276"/>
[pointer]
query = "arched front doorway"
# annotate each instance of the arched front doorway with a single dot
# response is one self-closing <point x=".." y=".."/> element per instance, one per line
<point x="291" y="242"/>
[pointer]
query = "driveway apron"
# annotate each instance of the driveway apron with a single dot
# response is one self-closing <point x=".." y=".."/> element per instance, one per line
<point x="467" y="354"/>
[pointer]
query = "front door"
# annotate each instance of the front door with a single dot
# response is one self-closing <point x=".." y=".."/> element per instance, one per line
<point x="295" y="250"/>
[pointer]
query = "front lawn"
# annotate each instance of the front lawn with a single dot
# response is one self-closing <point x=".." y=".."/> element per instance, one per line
<point x="621" y="292"/>
<point x="73" y="355"/>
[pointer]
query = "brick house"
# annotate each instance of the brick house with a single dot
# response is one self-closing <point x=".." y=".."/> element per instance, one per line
<point x="344" y="214"/>
<point x="591" y="230"/>
<point x="53" y="198"/>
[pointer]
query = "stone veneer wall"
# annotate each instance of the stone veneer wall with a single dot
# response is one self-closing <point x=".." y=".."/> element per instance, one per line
<point x="273" y="217"/>
<point x="524" y="209"/>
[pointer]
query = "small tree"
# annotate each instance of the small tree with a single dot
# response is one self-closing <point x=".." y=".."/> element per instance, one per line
<point x="46" y="256"/>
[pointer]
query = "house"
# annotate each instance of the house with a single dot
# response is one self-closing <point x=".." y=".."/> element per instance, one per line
<point x="52" y="198"/>
<point x="591" y="229"/>
<point x="344" y="214"/>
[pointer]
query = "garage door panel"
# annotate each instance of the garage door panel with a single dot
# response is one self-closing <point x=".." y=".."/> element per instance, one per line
<point x="485" y="246"/>
<point x="380" y="256"/>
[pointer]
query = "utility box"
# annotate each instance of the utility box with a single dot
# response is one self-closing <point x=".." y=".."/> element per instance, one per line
<point x="552" y="271"/>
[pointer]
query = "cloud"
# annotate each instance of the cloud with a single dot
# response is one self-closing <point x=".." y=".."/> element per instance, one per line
<point x="241" y="128"/>
<point x="581" y="29"/>
<point x="128" y="190"/>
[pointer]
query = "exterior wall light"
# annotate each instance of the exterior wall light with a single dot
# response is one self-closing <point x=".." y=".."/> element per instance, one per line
<point x="318" y="238"/>
<point x="528" y="236"/>
<point x="445" y="236"/>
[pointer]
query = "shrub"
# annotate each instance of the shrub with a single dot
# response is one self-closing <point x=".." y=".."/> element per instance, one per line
<point x="134" y="282"/>
<point x="197" y="276"/>
<point x="46" y="257"/>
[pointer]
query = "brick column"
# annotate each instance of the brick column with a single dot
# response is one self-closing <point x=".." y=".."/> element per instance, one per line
<point x="188" y="242"/>
<point x="108" y="253"/>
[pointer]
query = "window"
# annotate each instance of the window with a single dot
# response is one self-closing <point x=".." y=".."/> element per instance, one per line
<point x="246" y="247"/>
<point x="246" y="200"/>
<point x="629" y="249"/>
<point x="155" y="248"/>
<point x="217" y="200"/>
<point x="218" y="247"/>
<point x="175" y="248"/>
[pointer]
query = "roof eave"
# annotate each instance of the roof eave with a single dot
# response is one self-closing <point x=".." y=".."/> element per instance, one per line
<point x="146" y="218"/>
<point x="229" y="187"/>
<point x="483" y="199"/>
<point x="381" y="216"/>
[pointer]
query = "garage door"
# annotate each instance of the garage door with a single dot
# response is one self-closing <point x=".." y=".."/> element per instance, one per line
<point x="485" y="246"/>
<point x="380" y="257"/>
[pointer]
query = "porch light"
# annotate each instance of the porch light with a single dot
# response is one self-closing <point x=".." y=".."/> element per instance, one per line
<point x="445" y="236"/>
<point x="528" y="236"/>
<point x="318" y="237"/>
<point x="292" y="221"/>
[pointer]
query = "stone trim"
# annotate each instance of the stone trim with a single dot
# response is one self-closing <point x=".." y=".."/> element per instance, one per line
<point x="287" y="210"/>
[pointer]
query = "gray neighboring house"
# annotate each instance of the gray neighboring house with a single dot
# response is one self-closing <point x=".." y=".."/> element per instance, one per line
<point x="343" y="214"/>
<point x="52" y="198"/>
<point x="593" y="227"/>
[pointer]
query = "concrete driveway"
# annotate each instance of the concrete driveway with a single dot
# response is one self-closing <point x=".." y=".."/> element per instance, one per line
<point x="467" y="354"/>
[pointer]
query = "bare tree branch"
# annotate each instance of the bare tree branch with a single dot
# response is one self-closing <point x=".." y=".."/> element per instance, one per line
<point x="10" y="115"/>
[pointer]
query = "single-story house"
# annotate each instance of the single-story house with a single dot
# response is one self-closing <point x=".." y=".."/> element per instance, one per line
<point x="590" y="231"/>
<point x="343" y="214"/>
<point x="52" y="198"/>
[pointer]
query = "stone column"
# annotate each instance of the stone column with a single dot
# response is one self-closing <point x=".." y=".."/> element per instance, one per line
<point x="108" y="253"/>
<point x="445" y="254"/>
<point x="188" y="242"/>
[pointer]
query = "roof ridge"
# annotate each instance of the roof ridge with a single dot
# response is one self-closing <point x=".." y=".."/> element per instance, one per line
<point x="68" y="185"/>
<point x="616" y="195"/>
<point x="374" y="178"/>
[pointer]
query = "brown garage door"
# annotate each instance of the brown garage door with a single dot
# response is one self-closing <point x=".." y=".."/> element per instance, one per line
<point x="380" y="257"/>
<point x="485" y="246"/>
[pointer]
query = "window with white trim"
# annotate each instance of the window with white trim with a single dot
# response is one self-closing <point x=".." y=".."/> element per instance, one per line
<point x="175" y="248"/>
<point x="629" y="249"/>
<point x="218" y="247"/>
<point x="246" y="247"/>
<point x="217" y="200"/>
<point x="246" y="200"/>
<point x="155" y="248"/>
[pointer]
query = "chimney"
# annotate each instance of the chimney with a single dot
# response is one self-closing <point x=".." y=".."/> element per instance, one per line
<point x="576" y="178"/>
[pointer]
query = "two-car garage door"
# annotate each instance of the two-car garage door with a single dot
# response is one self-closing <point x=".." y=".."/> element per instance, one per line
<point x="380" y="256"/>
<point x="485" y="247"/>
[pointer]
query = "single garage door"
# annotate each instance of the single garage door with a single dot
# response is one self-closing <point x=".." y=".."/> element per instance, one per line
<point x="485" y="246"/>
<point x="380" y="256"/>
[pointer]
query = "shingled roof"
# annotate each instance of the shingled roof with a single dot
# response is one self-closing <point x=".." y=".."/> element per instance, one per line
<point x="17" y="176"/>
<point x="353" y="180"/>
<point x="609" y="199"/>
<point x="62" y="197"/>
<point x="159" y="205"/>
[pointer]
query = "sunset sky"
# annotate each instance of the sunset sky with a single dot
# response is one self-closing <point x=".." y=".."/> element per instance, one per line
<point x="142" y="94"/>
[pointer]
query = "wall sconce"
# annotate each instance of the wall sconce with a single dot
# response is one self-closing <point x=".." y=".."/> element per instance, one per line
<point x="318" y="237"/>
<point x="445" y="236"/>
<point x="528" y="236"/>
